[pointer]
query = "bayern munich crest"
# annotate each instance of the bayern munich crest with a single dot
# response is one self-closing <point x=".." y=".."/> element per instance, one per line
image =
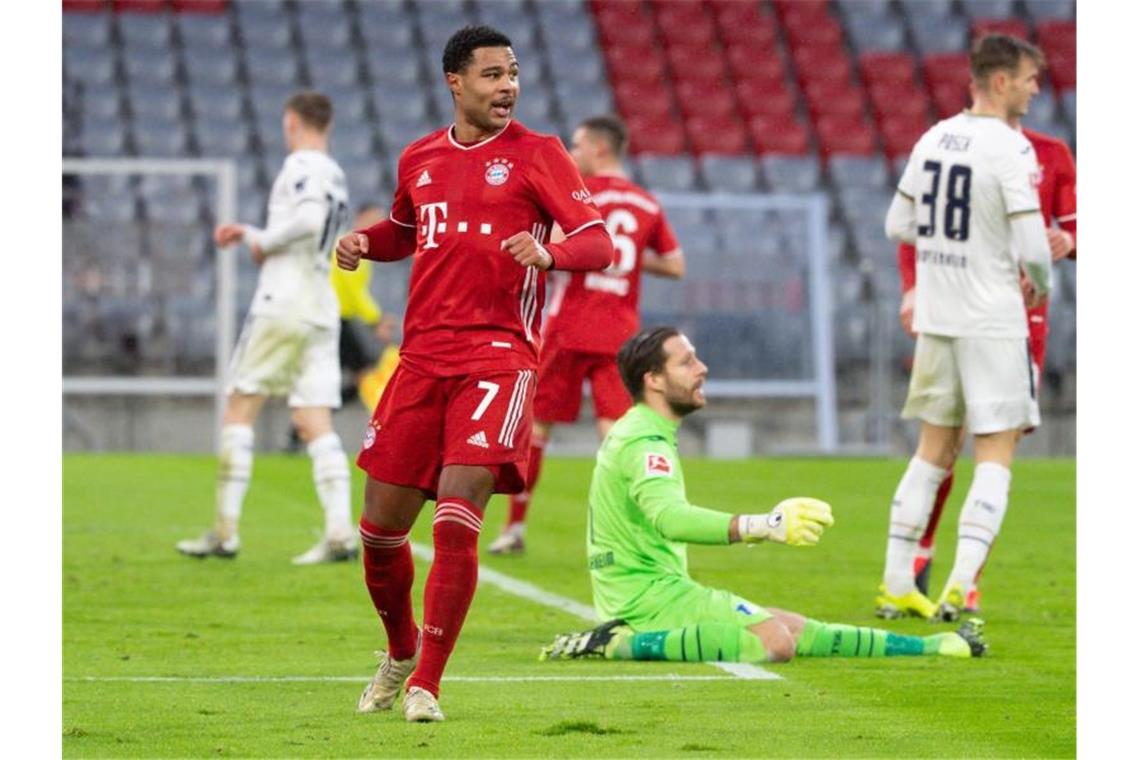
<point x="369" y="437"/>
<point x="498" y="171"/>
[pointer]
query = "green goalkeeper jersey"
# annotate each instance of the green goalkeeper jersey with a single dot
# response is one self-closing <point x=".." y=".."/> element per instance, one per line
<point x="639" y="518"/>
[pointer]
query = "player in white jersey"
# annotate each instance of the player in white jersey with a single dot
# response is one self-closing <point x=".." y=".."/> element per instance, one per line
<point x="968" y="201"/>
<point x="288" y="344"/>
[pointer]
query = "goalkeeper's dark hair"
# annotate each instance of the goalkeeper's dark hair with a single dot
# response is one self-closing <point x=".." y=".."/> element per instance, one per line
<point x="1001" y="52"/>
<point x="644" y="352"/>
<point x="314" y="108"/>
<point x="460" y="49"/>
<point x="611" y="129"/>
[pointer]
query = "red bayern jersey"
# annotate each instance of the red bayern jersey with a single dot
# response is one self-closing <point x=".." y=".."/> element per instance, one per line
<point x="597" y="311"/>
<point x="1057" y="191"/>
<point x="471" y="307"/>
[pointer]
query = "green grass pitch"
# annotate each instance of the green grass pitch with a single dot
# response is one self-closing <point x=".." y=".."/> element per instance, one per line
<point x="133" y="607"/>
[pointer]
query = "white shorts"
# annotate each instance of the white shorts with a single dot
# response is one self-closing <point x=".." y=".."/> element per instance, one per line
<point x="278" y="357"/>
<point x="987" y="384"/>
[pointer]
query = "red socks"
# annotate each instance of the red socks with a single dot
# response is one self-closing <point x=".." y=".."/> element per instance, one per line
<point x="521" y="501"/>
<point x="450" y="587"/>
<point x="388" y="573"/>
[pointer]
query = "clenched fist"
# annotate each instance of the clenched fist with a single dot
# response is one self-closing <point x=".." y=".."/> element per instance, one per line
<point x="349" y="249"/>
<point x="527" y="251"/>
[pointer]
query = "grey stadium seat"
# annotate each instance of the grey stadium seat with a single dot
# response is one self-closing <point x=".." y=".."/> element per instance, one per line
<point x="375" y="14"/>
<point x="89" y="66"/>
<point x="378" y="37"/>
<point x="573" y="34"/>
<point x="149" y="102"/>
<point x="518" y="26"/>
<point x="733" y="174"/>
<point x="221" y="138"/>
<point x="864" y="8"/>
<point x="790" y="174"/>
<point x="876" y="33"/>
<point x="203" y="32"/>
<point x="103" y="138"/>
<point x="400" y="105"/>
<point x="101" y="103"/>
<point x="939" y="35"/>
<point x="328" y="72"/>
<point x="219" y="102"/>
<point x="928" y="9"/>
<point x="1042" y="111"/>
<point x="328" y="38"/>
<point x="160" y="140"/>
<point x="271" y="34"/>
<point x="1048" y="10"/>
<point x="587" y="69"/>
<point x="211" y="67"/>
<point x="393" y="66"/>
<point x="858" y="171"/>
<point x="321" y="14"/>
<point x="151" y="66"/>
<point x="86" y="30"/>
<point x="534" y="106"/>
<point x="274" y="67"/>
<point x="145" y="31"/>
<point x="260" y="10"/>
<point x="667" y="172"/>
<point x="988" y="8"/>
<point x="494" y="11"/>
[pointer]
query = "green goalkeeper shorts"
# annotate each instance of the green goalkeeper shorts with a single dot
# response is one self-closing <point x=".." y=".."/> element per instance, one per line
<point x="675" y="604"/>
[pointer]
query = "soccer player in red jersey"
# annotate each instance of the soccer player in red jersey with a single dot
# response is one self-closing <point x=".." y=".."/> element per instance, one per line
<point x="1058" y="193"/>
<point x="474" y="204"/>
<point x="592" y="313"/>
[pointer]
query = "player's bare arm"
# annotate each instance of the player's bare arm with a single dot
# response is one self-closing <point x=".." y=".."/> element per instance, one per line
<point x="671" y="266"/>
<point x="228" y="234"/>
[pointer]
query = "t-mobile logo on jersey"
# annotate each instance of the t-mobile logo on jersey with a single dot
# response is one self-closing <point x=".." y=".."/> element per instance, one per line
<point x="436" y="214"/>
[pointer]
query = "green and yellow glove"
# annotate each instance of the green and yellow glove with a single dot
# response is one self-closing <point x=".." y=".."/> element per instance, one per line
<point x="797" y="521"/>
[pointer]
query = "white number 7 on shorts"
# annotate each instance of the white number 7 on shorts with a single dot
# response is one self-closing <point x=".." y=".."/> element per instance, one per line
<point x="492" y="391"/>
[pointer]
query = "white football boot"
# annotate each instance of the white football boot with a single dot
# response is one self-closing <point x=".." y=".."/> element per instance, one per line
<point x="329" y="550"/>
<point x="382" y="690"/>
<point x="421" y="707"/>
<point x="212" y="544"/>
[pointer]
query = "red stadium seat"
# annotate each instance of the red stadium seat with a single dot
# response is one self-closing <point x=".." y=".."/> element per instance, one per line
<point x="1062" y="68"/>
<point x="845" y="135"/>
<point x="944" y="68"/>
<point x="901" y="133"/>
<point x="757" y="97"/>
<point x="817" y="32"/>
<point x="626" y="33"/>
<point x="746" y="63"/>
<point x="1011" y="26"/>
<point x="698" y="63"/>
<point x="625" y="12"/>
<point x="802" y="11"/>
<point x="702" y="33"/>
<point x="675" y="18"/>
<point x="757" y="37"/>
<point x="84" y="6"/>
<point x="887" y="68"/>
<point x="634" y="98"/>
<point x="815" y="64"/>
<point x="833" y="98"/>
<point x="714" y="100"/>
<point x="140" y="6"/>
<point x="889" y="99"/>
<point x="712" y="134"/>
<point x="778" y="134"/>
<point x="1057" y="35"/>
<point x="199" y="6"/>
<point x="634" y="64"/>
<point x="659" y="136"/>
<point x="949" y="98"/>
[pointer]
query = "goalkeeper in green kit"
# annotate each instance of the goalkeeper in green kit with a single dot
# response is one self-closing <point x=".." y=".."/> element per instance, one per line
<point x="639" y="522"/>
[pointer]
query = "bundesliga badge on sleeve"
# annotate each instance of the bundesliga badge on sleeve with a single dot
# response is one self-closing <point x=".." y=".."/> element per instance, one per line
<point x="658" y="465"/>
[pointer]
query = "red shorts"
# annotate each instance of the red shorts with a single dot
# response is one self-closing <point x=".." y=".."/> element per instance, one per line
<point x="561" y="373"/>
<point x="423" y="424"/>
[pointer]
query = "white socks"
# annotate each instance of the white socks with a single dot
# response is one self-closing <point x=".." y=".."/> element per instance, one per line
<point x="234" y="468"/>
<point x="331" y="477"/>
<point x="980" y="521"/>
<point x="910" y="510"/>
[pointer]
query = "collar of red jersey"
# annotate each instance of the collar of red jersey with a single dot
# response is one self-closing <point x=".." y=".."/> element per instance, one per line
<point x="451" y="137"/>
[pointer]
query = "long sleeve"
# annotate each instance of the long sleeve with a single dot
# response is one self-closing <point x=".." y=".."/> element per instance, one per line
<point x="659" y="492"/>
<point x="906" y="259"/>
<point x="901" y="224"/>
<point x="389" y="240"/>
<point x="306" y="221"/>
<point x="1028" y="234"/>
<point x="1065" y="196"/>
<point x="590" y="248"/>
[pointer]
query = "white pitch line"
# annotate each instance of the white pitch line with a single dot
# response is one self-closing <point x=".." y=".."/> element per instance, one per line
<point x="357" y="679"/>
<point x="541" y="596"/>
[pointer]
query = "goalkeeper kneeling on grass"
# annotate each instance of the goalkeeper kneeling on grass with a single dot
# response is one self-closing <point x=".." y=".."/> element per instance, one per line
<point x="640" y="522"/>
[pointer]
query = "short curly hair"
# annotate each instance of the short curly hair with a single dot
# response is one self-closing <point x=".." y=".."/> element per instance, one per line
<point x="460" y="49"/>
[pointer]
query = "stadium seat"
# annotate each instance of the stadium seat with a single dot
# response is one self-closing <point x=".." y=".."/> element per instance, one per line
<point x="657" y="136"/>
<point x="703" y="99"/>
<point x="900" y="134"/>
<point x="328" y="72"/>
<point x="396" y="104"/>
<point x="765" y="99"/>
<point x="943" y="35"/>
<point x="1069" y="105"/>
<point x="633" y="98"/>
<point x="393" y="66"/>
<point x="778" y="134"/>
<point x="380" y="38"/>
<point x="217" y="103"/>
<point x="325" y="37"/>
<point x="821" y="64"/>
<point x="789" y="173"/>
<point x="209" y="32"/>
<point x="927" y="11"/>
<point x="754" y="35"/>
<point x="861" y="172"/>
<point x="864" y="8"/>
<point x="662" y="173"/>
<point x="728" y="173"/>
<point x="976" y="9"/>
<point x="821" y="31"/>
<point x="210" y="68"/>
<point x="1014" y="27"/>
<point x="107" y="138"/>
<point x="575" y="99"/>
<point x="833" y="98"/>
<point x="839" y="134"/>
<point x="694" y="63"/>
<point x="949" y="99"/>
<point x="270" y="33"/>
<point x="907" y="101"/>
<point x="746" y="64"/>
<point x="101" y="104"/>
<point x="272" y="67"/>
<point x="330" y="12"/>
<point x="148" y="102"/>
<point x="534" y="105"/>
<point x="1063" y="68"/>
<point x="953" y="68"/>
<point x="699" y="32"/>
<point x="160" y="140"/>
<point x="149" y="32"/>
<point x="1050" y="10"/>
<point x="716" y="134"/>
<point x="887" y="69"/>
<point x="1054" y="35"/>
<point x="89" y="66"/>
<point x="634" y="64"/>
<point x="587" y="69"/>
<point x="151" y="67"/>
<point x="1042" y="111"/>
<point x="221" y="138"/>
<point x="90" y="31"/>
<point x="876" y="33"/>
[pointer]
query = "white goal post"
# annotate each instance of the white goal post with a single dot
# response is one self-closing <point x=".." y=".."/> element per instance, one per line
<point x="224" y="173"/>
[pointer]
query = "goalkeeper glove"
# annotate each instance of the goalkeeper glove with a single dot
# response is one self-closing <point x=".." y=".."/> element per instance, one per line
<point x="798" y="521"/>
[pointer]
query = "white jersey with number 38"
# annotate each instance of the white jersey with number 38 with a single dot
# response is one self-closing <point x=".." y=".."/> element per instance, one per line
<point x="308" y="210"/>
<point x="968" y="177"/>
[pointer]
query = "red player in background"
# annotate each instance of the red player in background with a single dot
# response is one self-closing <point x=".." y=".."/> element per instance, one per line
<point x="1058" y="192"/>
<point x="593" y="313"/>
<point x="474" y="204"/>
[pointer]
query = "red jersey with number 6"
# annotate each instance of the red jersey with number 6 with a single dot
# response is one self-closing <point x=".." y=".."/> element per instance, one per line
<point x="598" y="311"/>
<point x="471" y="307"/>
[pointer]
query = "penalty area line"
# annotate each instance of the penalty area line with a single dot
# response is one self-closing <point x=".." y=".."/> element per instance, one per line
<point x="533" y="593"/>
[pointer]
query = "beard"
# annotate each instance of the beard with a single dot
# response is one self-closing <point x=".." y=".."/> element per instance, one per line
<point x="684" y="406"/>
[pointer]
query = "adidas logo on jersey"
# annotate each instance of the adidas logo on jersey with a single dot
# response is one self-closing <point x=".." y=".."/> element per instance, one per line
<point x="480" y="440"/>
<point x="425" y="179"/>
